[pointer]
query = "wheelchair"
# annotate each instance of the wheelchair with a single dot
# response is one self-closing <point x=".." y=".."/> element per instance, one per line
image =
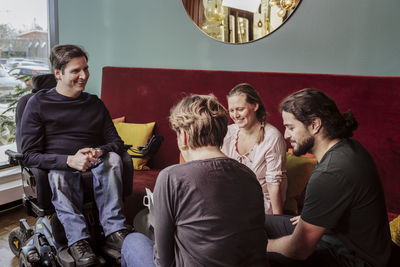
<point x="45" y="243"/>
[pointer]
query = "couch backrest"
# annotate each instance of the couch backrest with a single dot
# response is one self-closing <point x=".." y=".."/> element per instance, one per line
<point x="144" y="95"/>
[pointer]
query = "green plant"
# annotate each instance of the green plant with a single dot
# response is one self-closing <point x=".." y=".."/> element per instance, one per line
<point x="7" y="120"/>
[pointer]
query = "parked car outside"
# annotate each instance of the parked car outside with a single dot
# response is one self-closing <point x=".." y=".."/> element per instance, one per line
<point x="39" y="62"/>
<point x="29" y="63"/>
<point x="13" y="62"/>
<point x="29" y="70"/>
<point x="8" y="83"/>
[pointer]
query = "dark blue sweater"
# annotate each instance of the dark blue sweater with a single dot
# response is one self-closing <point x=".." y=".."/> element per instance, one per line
<point x="54" y="126"/>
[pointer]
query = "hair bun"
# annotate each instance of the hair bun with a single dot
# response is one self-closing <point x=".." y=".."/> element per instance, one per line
<point x="351" y="123"/>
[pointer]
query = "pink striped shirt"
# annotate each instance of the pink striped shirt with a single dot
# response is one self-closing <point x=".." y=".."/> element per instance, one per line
<point x="266" y="159"/>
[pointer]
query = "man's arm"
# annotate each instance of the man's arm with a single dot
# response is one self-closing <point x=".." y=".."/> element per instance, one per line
<point x="299" y="245"/>
<point x="32" y="140"/>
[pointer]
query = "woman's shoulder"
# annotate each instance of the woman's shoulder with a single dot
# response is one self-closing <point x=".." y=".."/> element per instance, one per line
<point x="175" y="171"/>
<point x="197" y="165"/>
<point x="232" y="129"/>
<point x="271" y="128"/>
<point x="273" y="139"/>
<point x="231" y="133"/>
<point x="230" y="139"/>
<point x="271" y="132"/>
<point x="164" y="172"/>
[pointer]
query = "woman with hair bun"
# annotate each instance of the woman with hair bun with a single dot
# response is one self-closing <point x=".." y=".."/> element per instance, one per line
<point x="208" y="211"/>
<point x="257" y="144"/>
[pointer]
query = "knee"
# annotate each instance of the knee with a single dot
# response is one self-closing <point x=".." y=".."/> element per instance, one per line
<point x="114" y="159"/>
<point x="61" y="178"/>
<point x="128" y="242"/>
<point x="137" y="250"/>
<point x="134" y="241"/>
<point x="56" y="174"/>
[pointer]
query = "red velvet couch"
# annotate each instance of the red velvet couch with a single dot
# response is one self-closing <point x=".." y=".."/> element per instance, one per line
<point x="144" y="95"/>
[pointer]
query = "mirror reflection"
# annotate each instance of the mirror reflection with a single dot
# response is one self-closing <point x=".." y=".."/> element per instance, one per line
<point x="239" y="21"/>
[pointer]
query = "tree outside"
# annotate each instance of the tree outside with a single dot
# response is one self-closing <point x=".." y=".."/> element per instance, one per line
<point x="7" y="117"/>
<point x="24" y="51"/>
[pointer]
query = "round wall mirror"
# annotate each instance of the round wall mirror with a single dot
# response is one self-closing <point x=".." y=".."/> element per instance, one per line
<point x="239" y="21"/>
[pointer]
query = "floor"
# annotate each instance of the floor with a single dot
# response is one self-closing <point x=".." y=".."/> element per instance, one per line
<point x="9" y="219"/>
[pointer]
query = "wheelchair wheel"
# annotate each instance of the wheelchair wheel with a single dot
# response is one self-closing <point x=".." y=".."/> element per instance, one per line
<point x="23" y="261"/>
<point x="16" y="240"/>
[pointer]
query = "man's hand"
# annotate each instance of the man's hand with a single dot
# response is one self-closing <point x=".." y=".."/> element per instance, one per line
<point x="95" y="153"/>
<point x="81" y="161"/>
<point x="295" y="220"/>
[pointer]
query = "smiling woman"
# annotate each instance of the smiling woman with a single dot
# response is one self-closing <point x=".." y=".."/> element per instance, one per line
<point x="257" y="144"/>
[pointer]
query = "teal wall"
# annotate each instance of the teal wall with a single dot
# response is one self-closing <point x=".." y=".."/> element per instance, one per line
<point x="360" y="37"/>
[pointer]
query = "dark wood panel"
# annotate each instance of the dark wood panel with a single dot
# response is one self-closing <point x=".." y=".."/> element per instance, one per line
<point x="195" y="10"/>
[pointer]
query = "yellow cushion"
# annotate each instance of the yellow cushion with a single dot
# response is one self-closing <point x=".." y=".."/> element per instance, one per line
<point x="119" y="119"/>
<point x="298" y="172"/>
<point x="136" y="134"/>
<point x="395" y="230"/>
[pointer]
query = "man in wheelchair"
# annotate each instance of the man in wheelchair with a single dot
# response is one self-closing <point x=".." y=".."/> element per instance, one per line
<point x="67" y="132"/>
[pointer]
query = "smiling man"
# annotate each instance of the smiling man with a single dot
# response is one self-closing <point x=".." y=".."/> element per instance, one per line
<point x="344" y="220"/>
<point x="67" y="131"/>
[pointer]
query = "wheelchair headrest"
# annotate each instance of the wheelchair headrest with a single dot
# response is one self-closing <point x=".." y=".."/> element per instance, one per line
<point x="43" y="81"/>
<point x="39" y="82"/>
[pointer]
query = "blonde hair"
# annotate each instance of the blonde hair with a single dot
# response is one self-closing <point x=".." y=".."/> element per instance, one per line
<point x="203" y="118"/>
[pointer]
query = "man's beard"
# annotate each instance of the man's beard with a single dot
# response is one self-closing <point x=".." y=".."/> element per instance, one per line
<point x="304" y="147"/>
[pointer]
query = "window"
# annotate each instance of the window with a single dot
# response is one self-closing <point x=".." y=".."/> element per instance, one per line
<point x="25" y="42"/>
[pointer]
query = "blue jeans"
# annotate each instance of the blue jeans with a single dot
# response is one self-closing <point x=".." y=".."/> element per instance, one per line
<point x="137" y="251"/>
<point x="67" y="198"/>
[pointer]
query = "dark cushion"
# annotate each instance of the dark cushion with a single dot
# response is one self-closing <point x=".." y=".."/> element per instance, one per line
<point x="44" y="81"/>
<point x="18" y="116"/>
<point x="39" y="82"/>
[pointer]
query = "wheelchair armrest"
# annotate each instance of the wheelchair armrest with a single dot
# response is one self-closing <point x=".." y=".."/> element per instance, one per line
<point x="126" y="147"/>
<point x="14" y="157"/>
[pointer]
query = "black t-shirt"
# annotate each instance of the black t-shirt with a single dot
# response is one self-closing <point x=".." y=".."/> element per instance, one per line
<point x="209" y="213"/>
<point x="345" y="195"/>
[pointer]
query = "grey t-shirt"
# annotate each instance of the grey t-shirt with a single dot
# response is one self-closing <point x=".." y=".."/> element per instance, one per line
<point x="209" y="213"/>
<point x="345" y="195"/>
